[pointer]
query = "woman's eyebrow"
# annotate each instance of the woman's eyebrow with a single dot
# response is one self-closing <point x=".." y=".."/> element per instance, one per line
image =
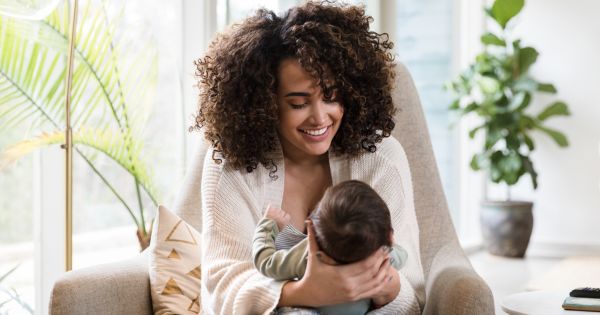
<point x="303" y="94"/>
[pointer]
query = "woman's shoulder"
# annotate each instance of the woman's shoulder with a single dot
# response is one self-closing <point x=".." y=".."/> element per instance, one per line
<point x="216" y="168"/>
<point x="389" y="153"/>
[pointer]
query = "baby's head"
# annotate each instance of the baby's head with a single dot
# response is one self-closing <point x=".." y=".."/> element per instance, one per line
<point x="351" y="222"/>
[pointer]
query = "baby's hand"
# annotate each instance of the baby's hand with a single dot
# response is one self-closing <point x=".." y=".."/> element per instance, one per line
<point x="281" y="217"/>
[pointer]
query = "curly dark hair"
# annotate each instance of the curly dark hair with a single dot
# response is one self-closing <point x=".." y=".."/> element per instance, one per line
<point x="333" y="43"/>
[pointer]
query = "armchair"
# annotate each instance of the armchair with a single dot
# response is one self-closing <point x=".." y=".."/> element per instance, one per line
<point x="452" y="286"/>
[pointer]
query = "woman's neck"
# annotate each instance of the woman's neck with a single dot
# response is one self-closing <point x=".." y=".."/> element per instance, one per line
<point x="304" y="160"/>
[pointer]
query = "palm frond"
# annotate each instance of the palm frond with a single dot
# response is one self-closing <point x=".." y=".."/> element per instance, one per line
<point x="110" y="85"/>
<point x="108" y="142"/>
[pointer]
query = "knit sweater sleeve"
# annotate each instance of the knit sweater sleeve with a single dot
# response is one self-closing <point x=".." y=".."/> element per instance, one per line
<point x="389" y="174"/>
<point x="230" y="283"/>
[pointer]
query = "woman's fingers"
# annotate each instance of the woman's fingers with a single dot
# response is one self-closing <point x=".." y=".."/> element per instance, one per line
<point x="313" y="248"/>
<point x="365" y="268"/>
<point x="376" y="284"/>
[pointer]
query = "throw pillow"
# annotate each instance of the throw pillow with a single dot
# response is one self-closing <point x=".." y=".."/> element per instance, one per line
<point x="174" y="265"/>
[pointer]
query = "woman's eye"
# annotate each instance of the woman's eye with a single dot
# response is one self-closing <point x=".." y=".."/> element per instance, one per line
<point x="297" y="106"/>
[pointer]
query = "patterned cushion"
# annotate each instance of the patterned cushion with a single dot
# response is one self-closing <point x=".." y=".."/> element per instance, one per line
<point x="174" y="265"/>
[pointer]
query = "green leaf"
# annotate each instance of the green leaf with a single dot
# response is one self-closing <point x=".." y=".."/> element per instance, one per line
<point x="479" y="161"/>
<point x="455" y="105"/>
<point x="526" y="84"/>
<point x="492" y="39"/>
<point x="546" y="87"/>
<point x="475" y="163"/>
<point x="557" y="136"/>
<point x="555" y="109"/>
<point x="527" y="57"/>
<point x="510" y="166"/>
<point x="519" y="101"/>
<point x="492" y="137"/>
<point x="471" y="107"/>
<point x="528" y="142"/>
<point x="475" y="130"/>
<point x="488" y="85"/>
<point x="528" y="165"/>
<point x="504" y="10"/>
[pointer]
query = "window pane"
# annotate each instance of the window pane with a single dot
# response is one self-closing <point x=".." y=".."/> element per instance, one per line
<point x="104" y="229"/>
<point x="427" y="52"/>
<point x="16" y="226"/>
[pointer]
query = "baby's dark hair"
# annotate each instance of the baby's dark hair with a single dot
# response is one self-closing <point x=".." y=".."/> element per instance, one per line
<point x="351" y="222"/>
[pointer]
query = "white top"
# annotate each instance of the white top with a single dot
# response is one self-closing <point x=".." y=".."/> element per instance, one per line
<point x="234" y="201"/>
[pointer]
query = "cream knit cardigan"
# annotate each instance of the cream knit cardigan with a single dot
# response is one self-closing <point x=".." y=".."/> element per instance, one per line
<point x="233" y="203"/>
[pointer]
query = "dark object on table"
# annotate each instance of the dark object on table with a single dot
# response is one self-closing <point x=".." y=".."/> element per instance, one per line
<point x="586" y="293"/>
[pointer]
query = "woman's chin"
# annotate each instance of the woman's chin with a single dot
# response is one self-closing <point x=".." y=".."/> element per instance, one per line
<point x="318" y="149"/>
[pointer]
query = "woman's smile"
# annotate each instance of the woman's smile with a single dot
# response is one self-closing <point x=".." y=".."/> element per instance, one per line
<point x="319" y="134"/>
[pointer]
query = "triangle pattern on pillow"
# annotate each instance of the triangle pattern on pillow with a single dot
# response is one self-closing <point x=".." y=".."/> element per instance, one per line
<point x="172" y="288"/>
<point x="181" y="233"/>
<point x="174" y="255"/>
<point x="196" y="272"/>
<point x="195" y="305"/>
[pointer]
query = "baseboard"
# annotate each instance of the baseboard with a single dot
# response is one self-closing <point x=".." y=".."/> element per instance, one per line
<point x="561" y="250"/>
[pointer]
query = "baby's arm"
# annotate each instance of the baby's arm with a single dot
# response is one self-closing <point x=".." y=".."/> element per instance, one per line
<point x="277" y="264"/>
<point x="281" y="217"/>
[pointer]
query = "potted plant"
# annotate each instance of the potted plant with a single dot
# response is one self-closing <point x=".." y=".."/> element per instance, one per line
<point x="110" y="96"/>
<point x="498" y="89"/>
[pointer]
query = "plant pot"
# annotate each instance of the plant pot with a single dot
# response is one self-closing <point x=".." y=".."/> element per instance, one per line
<point x="506" y="227"/>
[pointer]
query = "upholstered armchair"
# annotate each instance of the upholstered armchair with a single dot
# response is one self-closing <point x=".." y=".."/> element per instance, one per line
<point x="452" y="286"/>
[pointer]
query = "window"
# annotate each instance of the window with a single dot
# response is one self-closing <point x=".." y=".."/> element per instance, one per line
<point x="423" y="41"/>
<point x="32" y="191"/>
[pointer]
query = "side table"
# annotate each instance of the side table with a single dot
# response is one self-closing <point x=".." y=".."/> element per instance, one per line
<point x="538" y="303"/>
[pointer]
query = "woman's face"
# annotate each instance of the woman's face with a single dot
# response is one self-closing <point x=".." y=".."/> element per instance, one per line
<point x="307" y="123"/>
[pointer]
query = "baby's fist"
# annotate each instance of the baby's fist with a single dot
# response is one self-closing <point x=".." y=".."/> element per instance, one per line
<point x="281" y="217"/>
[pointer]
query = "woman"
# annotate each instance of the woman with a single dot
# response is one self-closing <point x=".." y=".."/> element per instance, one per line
<point x="292" y="105"/>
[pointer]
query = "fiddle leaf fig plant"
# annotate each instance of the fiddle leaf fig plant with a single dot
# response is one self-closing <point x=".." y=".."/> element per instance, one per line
<point x="498" y="88"/>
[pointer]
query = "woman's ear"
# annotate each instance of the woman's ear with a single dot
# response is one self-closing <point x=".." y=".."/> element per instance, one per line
<point x="391" y="236"/>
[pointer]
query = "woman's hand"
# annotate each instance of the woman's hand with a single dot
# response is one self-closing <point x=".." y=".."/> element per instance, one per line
<point x="326" y="284"/>
<point x="389" y="290"/>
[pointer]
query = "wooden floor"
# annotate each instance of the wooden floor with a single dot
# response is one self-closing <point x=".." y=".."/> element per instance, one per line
<point x="506" y="276"/>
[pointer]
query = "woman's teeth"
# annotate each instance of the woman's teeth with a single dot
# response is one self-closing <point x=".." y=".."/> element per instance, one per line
<point x="314" y="132"/>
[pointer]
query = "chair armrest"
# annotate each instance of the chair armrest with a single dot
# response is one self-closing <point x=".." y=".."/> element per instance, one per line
<point x="116" y="288"/>
<point x="459" y="291"/>
<point x="454" y="288"/>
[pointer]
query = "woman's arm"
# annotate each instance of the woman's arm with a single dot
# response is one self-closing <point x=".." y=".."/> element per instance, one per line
<point x="230" y="283"/>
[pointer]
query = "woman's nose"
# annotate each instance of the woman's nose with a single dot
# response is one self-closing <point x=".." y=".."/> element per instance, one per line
<point x="318" y="113"/>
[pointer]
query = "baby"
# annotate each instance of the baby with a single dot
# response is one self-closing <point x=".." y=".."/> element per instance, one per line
<point x="350" y="223"/>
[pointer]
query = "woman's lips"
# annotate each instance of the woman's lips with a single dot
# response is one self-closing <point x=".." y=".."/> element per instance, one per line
<point x="316" y="135"/>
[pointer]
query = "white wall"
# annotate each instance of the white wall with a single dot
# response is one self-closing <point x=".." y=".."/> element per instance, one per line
<point x="567" y="202"/>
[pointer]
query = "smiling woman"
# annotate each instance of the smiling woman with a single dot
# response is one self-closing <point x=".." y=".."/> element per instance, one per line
<point x="291" y="105"/>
